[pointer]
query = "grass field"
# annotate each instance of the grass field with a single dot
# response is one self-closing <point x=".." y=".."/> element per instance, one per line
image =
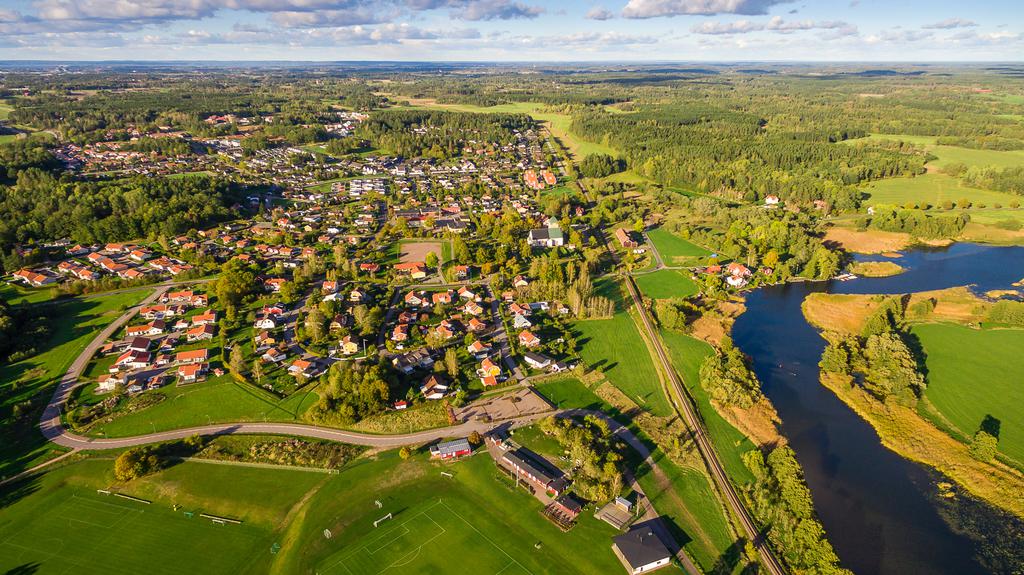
<point x="933" y="189"/>
<point x="473" y="522"/>
<point x="614" y="347"/>
<point x="58" y="523"/>
<point x="687" y="354"/>
<point x="217" y="400"/>
<point x="74" y="323"/>
<point x="974" y="374"/>
<point x="5" y="110"/>
<point x="558" y="124"/>
<point x="675" y="250"/>
<point x="665" y="284"/>
<point x="14" y="293"/>
<point x="946" y="155"/>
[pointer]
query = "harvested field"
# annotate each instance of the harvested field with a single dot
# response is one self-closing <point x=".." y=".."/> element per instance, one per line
<point x="417" y="251"/>
<point x="868" y="242"/>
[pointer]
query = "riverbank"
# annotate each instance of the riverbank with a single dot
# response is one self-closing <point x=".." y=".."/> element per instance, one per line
<point x="903" y="431"/>
<point x="963" y="394"/>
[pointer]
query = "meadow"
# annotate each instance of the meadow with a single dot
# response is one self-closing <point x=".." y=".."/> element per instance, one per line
<point x="675" y="250"/>
<point x="687" y="354"/>
<point x="560" y="125"/>
<point x="5" y="110"/>
<point x="615" y="348"/>
<point x="74" y="322"/>
<point x="59" y="523"/>
<point x="933" y="189"/>
<point x="946" y="155"/>
<point x="975" y="374"/>
<point x="12" y="293"/>
<point x="666" y="284"/>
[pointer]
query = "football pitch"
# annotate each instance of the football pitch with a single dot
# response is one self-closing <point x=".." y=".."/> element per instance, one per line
<point x="87" y="532"/>
<point x="428" y="539"/>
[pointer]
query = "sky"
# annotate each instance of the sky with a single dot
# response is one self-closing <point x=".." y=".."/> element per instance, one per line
<point x="513" y="30"/>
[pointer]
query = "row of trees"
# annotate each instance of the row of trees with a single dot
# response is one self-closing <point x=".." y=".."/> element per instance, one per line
<point x="594" y="452"/>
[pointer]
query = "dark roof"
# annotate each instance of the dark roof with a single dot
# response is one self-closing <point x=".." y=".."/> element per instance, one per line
<point x="531" y="464"/>
<point x="451" y="447"/>
<point x="640" y="546"/>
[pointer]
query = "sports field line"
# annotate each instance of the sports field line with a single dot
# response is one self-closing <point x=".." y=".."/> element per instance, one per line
<point x="485" y="538"/>
<point x="385" y="539"/>
<point x="387" y="534"/>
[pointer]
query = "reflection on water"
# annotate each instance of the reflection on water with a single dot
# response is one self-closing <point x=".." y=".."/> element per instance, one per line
<point x="882" y="512"/>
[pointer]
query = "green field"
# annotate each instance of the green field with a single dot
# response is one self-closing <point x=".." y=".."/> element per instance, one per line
<point x="665" y="284"/>
<point x="675" y="250"/>
<point x="474" y="522"/>
<point x="933" y="189"/>
<point x="946" y="155"/>
<point x="615" y="348"/>
<point x="687" y="354"/>
<point x="571" y="393"/>
<point x="5" y="110"/>
<point x="217" y="400"/>
<point x="58" y="523"/>
<point x="74" y="323"/>
<point x="13" y="293"/>
<point x="974" y="374"/>
<point x="558" y="124"/>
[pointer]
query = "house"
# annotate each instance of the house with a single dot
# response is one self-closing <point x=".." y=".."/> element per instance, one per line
<point x="415" y="270"/>
<point x="191" y="373"/>
<point x="451" y="449"/>
<point x="193" y="356"/>
<point x="519" y="321"/>
<point x="640" y="550"/>
<point x="474" y="325"/>
<point x="108" y="382"/>
<point x="626" y="238"/>
<point x="520" y="282"/>
<point x="131" y="360"/>
<point x="567" y="507"/>
<point x="33" y="278"/>
<point x="348" y="345"/>
<point x="304" y="368"/>
<point x="274" y="284"/>
<point x="523" y="310"/>
<point x="357" y="296"/>
<point x="472" y="308"/>
<point x="264" y="339"/>
<point x="139" y="344"/>
<point x="489" y="368"/>
<point x="329" y="286"/>
<point x="461" y="272"/>
<point x="434" y="387"/>
<point x="441" y="297"/>
<point x="534" y="469"/>
<point x="273" y="355"/>
<point x="400" y="404"/>
<point x="478" y="349"/>
<point x="340" y="321"/>
<point x="549" y="236"/>
<point x="413" y="299"/>
<point x="771" y="200"/>
<point x="408" y="362"/>
<point x="400" y="332"/>
<point x="200" y="333"/>
<point x="466" y="293"/>
<point x="265" y="322"/>
<point x="536" y="360"/>
<point x="155" y="327"/>
<point x="369" y="267"/>
<point x="527" y="339"/>
<point x="209" y="317"/>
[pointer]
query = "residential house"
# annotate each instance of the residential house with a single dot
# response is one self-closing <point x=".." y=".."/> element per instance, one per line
<point x="528" y="339"/>
<point x="191" y="373"/>
<point x="434" y="386"/>
<point x="193" y="356"/>
<point x="641" y="551"/>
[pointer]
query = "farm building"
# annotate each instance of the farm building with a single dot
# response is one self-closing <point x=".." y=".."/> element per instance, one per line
<point x="451" y="449"/>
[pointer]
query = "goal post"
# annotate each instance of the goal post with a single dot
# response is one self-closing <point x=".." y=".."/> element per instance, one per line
<point x="382" y="520"/>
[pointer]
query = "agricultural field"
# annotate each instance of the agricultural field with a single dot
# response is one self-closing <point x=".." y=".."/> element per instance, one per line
<point x="675" y="250"/>
<point x="614" y="347"/>
<point x="5" y="110"/>
<point x="59" y="523"/>
<point x="946" y="155"/>
<point x="933" y="189"/>
<point x="560" y="125"/>
<point x="687" y="354"/>
<point x="974" y="374"/>
<point x="74" y="323"/>
<point x="665" y="284"/>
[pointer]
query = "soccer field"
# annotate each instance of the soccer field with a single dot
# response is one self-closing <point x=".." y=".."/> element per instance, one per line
<point x="431" y="538"/>
<point x="87" y="532"/>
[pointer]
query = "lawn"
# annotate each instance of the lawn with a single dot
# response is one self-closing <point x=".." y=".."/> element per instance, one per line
<point x="687" y="354"/>
<point x="74" y="323"/>
<point x="471" y="522"/>
<point x="13" y="293"/>
<point x="58" y="523"/>
<point x="674" y="249"/>
<point x="5" y="110"/>
<point x="933" y="189"/>
<point x="946" y="155"/>
<point x="615" y="348"/>
<point x="665" y="284"/>
<point x="571" y="393"/>
<point x="217" y="400"/>
<point x="975" y="374"/>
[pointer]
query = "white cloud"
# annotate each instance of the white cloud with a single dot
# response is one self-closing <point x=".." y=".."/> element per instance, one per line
<point x="951" y="23"/>
<point x="656" y="8"/>
<point x="600" y="13"/>
<point x="776" y="24"/>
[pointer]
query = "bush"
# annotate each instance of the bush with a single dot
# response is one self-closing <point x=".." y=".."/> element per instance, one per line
<point x="983" y="446"/>
<point x="134" y="463"/>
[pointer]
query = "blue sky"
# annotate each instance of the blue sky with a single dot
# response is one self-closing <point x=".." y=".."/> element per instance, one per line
<point x="512" y="30"/>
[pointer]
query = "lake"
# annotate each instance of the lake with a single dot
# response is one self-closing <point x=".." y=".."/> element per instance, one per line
<point x="881" y="511"/>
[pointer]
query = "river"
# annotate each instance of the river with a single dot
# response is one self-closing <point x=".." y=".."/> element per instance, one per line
<point x="880" y="511"/>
